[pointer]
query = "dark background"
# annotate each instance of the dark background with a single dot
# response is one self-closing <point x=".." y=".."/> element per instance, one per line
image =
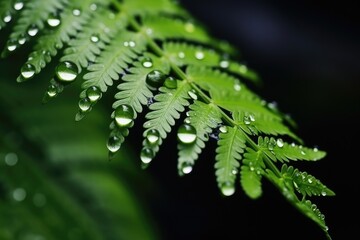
<point x="307" y="53"/>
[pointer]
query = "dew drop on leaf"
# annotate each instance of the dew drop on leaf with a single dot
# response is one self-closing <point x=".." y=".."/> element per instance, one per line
<point x="124" y="115"/>
<point x="18" y="5"/>
<point x="76" y="12"/>
<point x="11" y="45"/>
<point x="53" y="20"/>
<point x="52" y="91"/>
<point x="66" y="71"/>
<point x="146" y="155"/>
<point x="223" y="129"/>
<point x="147" y="62"/>
<point x="113" y="144"/>
<point x="181" y="55"/>
<point x="186" y="167"/>
<point x="27" y="71"/>
<point x="186" y="134"/>
<point x="84" y="104"/>
<point x="7" y="18"/>
<point x="22" y="39"/>
<point x="227" y="188"/>
<point x="193" y="95"/>
<point x="170" y="83"/>
<point x="199" y="55"/>
<point x="153" y="136"/>
<point x="95" y="38"/>
<point x="280" y="143"/>
<point x="155" y="79"/>
<point x="33" y="30"/>
<point x="93" y="93"/>
<point x="224" y="64"/>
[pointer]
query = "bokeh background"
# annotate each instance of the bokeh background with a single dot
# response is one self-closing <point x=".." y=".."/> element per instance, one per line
<point x="307" y="54"/>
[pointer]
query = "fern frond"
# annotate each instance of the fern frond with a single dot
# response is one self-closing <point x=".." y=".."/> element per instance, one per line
<point x="204" y="118"/>
<point x="230" y="147"/>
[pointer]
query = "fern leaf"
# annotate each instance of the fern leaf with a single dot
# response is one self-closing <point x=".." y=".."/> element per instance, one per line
<point x="31" y="20"/>
<point x="251" y="173"/>
<point x="143" y="7"/>
<point x="305" y="183"/>
<point x="230" y="147"/>
<point x="204" y="118"/>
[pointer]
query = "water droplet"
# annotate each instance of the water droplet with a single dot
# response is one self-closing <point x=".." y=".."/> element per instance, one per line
<point x="303" y="153"/>
<point x="150" y="101"/>
<point x="155" y="79"/>
<point x="247" y="120"/>
<point x="7" y="18"/>
<point x="39" y="200"/>
<point x="22" y="39"/>
<point x="66" y="71"/>
<point x="315" y="149"/>
<point x="93" y="7"/>
<point x="234" y="171"/>
<point x="146" y="155"/>
<point x="114" y="144"/>
<point x="224" y="64"/>
<point x="33" y="30"/>
<point x="223" y="129"/>
<point x="170" y="83"/>
<point x="84" y="104"/>
<point x="272" y="144"/>
<point x="323" y="193"/>
<point x="28" y="71"/>
<point x="53" y="20"/>
<point x="52" y="90"/>
<point x="199" y="55"/>
<point x="189" y="27"/>
<point x="193" y="94"/>
<point x="310" y="180"/>
<point x="18" y="5"/>
<point x="186" y="167"/>
<point x="11" y="45"/>
<point x="11" y="159"/>
<point x="280" y="143"/>
<point x="149" y="31"/>
<point x="186" y="134"/>
<point x="273" y="106"/>
<point x="237" y="86"/>
<point x="132" y="44"/>
<point x="227" y="189"/>
<point x="147" y="62"/>
<point x="76" y="12"/>
<point x="19" y="194"/>
<point x="252" y="117"/>
<point x="124" y="115"/>
<point x="95" y="38"/>
<point x="293" y="144"/>
<point x="153" y="136"/>
<point x="93" y="93"/>
<point x="181" y="55"/>
<point x="243" y="69"/>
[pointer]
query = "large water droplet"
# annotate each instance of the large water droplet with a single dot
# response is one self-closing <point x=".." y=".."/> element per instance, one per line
<point x="18" y="5"/>
<point x="66" y="71"/>
<point x="280" y="143"/>
<point x="147" y="62"/>
<point x="147" y="155"/>
<point x="93" y="93"/>
<point x="114" y="144"/>
<point x="153" y="136"/>
<point x="19" y="194"/>
<point x="84" y="104"/>
<point x="28" y="71"/>
<point x="33" y="30"/>
<point x="53" y="20"/>
<point x="124" y="115"/>
<point x="155" y="79"/>
<point x="186" y="134"/>
<point x="186" y="167"/>
<point x="227" y="189"/>
<point x="170" y="83"/>
<point x="11" y="159"/>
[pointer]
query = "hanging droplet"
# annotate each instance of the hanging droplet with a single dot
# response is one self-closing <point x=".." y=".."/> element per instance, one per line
<point x="11" y="45"/>
<point x="114" y="144"/>
<point x="186" y="134"/>
<point x="93" y="93"/>
<point x="33" y="30"/>
<point x="280" y="143"/>
<point x="170" y="83"/>
<point x="19" y="194"/>
<point x="147" y="62"/>
<point x="186" y="167"/>
<point x="52" y="91"/>
<point x="76" y="12"/>
<point x="95" y="38"/>
<point x="124" y="115"/>
<point x="199" y="55"/>
<point x="84" y="104"/>
<point x="22" y="39"/>
<point x="66" y="71"/>
<point x="227" y="189"/>
<point x="155" y="79"/>
<point x="153" y="136"/>
<point x="323" y="193"/>
<point x="27" y="71"/>
<point x="223" y="129"/>
<point x="53" y="20"/>
<point x="247" y="120"/>
<point x="18" y="5"/>
<point x="147" y="155"/>
<point x="193" y="94"/>
<point x="7" y="18"/>
<point x="272" y="144"/>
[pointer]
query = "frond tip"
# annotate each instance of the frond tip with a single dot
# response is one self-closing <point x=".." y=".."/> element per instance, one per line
<point x="155" y="58"/>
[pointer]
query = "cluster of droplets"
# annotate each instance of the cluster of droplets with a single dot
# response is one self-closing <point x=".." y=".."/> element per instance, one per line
<point x="275" y="143"/>
<point x="186" y="135"/>
<point x="152" y="141"/>
<point x="92" y="95"/>
<point x="123" y="116"/>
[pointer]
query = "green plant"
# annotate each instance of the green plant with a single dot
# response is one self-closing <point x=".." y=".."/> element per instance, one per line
<point x="163" y="58"/>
